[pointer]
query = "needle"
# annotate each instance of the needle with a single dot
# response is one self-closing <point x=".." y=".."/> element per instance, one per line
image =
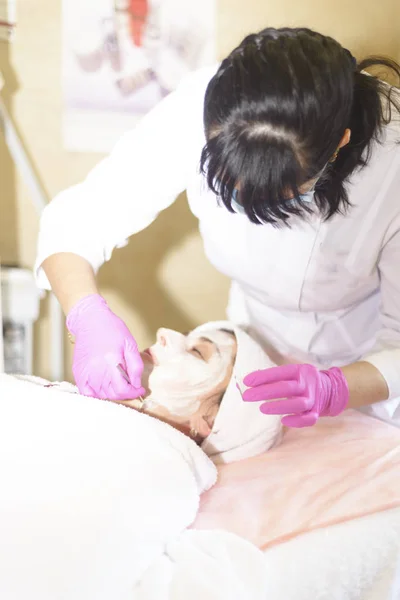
<point x="239" y="385"/>
<point x="123" y="373"/>
<point x="126" y="377"/>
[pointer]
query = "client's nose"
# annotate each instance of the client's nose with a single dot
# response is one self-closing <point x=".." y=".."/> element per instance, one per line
<point x="170" y="338"/>
<point x="161" y="337"/>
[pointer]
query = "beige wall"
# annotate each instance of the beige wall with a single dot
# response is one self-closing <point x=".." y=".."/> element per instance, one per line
<point x="162" y="277"/>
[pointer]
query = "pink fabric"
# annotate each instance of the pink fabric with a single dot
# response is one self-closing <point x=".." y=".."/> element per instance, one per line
<point x="341" y="469"/>
<point x="308" y="393"/>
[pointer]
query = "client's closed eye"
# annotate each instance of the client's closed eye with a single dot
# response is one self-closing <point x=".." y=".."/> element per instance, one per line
<point x="197" y="353"/>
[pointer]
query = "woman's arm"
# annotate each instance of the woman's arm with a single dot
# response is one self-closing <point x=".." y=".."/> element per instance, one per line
<point x="311" y="393"/>
<point x="308" y="393"/>
<point x="376" y="376"/>
<point x="71" y="277"/>
<point x="123" y="194"/>
<point x="382" y="364"/>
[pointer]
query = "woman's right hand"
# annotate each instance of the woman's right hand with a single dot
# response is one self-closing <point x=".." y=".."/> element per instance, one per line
<point x="102" y="342"/>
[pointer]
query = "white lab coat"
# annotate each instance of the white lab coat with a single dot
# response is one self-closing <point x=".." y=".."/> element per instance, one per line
<point x="321" y="292"/>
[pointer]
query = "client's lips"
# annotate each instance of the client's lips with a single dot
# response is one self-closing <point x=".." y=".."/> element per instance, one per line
<point x="148" y="353"/>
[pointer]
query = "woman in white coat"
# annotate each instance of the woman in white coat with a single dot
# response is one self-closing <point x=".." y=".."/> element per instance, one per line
<point x="289" y="154"/>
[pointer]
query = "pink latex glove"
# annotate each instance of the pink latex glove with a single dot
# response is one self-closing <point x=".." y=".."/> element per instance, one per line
<point x="103" y="341"/>
<point x="308" y="392"/>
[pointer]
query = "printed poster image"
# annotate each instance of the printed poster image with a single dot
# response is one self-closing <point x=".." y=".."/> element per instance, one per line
<point x="122" y="57"/>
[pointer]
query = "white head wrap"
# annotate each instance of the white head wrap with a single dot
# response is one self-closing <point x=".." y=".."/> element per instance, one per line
<point x="240" y="430"/>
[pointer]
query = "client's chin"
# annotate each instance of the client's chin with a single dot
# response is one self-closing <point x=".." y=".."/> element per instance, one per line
<point x="148" y="366"/>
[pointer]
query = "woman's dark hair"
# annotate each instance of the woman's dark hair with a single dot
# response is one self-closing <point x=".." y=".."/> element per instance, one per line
<point x="274" y="116"/>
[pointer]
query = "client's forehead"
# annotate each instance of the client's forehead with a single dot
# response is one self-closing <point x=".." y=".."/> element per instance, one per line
<point x="216" y="337"/>
<point x="213" y="342"/>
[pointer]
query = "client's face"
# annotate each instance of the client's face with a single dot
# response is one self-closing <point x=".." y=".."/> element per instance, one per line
<point x="186" y="375"/>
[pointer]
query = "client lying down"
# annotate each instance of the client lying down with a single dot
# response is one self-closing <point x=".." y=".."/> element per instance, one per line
<point x="94" y="494"/>
<point x="186" y="377"/>
<point x="190" y="379"/>
<point x="192" y="384"/>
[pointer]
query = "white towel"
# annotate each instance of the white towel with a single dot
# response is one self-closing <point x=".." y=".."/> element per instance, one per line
<point x="91" y="492"/>
<point x="240" y="430"/>
<point x="355" y="560"/>
<point x="206" y="565"/>
<point x="95" y="500"/>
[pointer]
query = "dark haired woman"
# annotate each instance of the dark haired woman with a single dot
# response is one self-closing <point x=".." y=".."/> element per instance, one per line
<point x="289" y="152"/>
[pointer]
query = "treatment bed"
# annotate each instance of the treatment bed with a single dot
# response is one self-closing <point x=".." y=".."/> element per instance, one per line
<point x="324" y="508"/>
<point x="99" y="502"/>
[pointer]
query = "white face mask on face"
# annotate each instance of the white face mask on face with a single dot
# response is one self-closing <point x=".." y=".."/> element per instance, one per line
<point x="180" y="377"/>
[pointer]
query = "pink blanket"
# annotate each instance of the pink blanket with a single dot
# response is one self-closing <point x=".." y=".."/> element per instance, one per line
<point x="341" y="469"/>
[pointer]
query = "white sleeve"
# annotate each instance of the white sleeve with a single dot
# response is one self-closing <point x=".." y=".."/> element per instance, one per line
<point x="124" y="193"/>
<point x="385" y="356"/>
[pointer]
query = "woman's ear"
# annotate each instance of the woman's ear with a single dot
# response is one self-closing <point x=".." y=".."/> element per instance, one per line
<point x="203" y="420"/>
<point x="345" y="139"/>
<point x="199" y="426"/>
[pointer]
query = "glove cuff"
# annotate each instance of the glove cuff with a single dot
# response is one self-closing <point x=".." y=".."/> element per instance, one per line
<point x="339" y="394"/>
<point x="85" y="304"/>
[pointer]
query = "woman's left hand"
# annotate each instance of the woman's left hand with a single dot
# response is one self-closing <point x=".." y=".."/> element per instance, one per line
<point x="308" y="393"/>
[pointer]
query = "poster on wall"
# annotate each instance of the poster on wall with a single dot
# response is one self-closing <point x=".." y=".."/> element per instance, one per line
<point x="7" y="19"/>
<point x="122" y="57"/>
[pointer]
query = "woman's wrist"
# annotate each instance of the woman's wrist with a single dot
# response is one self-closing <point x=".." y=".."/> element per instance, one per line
<point x="366" y="384"/>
